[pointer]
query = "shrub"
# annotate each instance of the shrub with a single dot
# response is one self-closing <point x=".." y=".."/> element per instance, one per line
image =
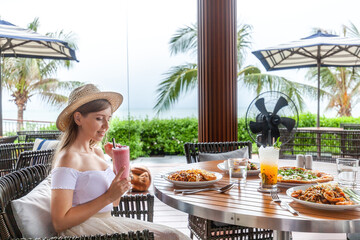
<point x="167" y="136"/>
<point x="127" y="133"/>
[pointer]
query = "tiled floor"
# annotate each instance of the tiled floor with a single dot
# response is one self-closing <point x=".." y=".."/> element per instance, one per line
<point x="169" y="216"/>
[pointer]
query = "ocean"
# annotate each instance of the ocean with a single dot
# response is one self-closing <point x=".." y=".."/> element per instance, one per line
<point x="51" y="115"/>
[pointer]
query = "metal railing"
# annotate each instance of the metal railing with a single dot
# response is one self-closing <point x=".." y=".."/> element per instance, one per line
<point x="11" y="126"/>
<point x="323" y="144"/>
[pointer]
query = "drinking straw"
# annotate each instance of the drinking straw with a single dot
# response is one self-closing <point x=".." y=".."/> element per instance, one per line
<point x="114" y="142"/>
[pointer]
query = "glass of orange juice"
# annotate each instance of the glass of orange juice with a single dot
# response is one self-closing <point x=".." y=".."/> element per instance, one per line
<point x="269" y="161"/>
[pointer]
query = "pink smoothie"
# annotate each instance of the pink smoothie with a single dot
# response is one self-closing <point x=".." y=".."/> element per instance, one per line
<point x="122" y="158"/>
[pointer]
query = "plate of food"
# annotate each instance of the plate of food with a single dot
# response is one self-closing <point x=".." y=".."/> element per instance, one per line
<point x="326" y="196"/>
<point x="193" y="178"/>
<point x="252" y="168"/>
<point x="295" y="176"/>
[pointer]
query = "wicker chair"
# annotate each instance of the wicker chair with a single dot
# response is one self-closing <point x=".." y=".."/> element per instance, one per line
<point x="19" y="183"/>
<point x="8" y="139"/>
<point x="208" y="229"/>
<point x="138" y="235"/>
<point x="9" y="153"/>
<point x="22" y="134"/>
<point x="31" y="137"/>
<point x="30" y="158"/>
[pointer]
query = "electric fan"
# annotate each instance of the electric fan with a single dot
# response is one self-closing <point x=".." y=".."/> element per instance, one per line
<point x="271" y="115"/>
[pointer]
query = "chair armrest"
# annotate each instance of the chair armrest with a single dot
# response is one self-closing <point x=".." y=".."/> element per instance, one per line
<point x="139" y="206"/>
<point x="145" y="235"/>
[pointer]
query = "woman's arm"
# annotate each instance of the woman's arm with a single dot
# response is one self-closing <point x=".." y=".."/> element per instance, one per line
<point x="64" y="216"/>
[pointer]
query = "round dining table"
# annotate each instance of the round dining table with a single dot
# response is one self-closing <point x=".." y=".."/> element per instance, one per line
<point x="244" y="205"/>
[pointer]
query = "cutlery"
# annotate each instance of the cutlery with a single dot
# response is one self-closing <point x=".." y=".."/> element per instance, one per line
<point x="275" y="198"/>
<point x="221" y="190"/>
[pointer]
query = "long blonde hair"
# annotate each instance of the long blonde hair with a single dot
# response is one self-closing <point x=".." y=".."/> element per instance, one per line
<point x="69" y="136"/>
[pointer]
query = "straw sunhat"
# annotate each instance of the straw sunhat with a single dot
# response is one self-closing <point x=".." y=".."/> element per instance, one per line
<point x="82" y="95"/>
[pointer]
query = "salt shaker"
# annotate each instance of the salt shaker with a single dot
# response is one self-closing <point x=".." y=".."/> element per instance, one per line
<point x="300" y="160"/>
<point x="308" y="161"/>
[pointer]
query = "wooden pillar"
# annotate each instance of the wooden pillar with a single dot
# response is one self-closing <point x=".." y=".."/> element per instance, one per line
<point x="217" y="70"/>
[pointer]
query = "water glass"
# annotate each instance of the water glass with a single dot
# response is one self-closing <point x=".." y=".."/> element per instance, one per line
<point x="347" y="169"/>
<point x="237" y="169"/>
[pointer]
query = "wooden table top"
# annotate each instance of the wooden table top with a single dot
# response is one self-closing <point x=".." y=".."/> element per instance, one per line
<point x="246" y="206"/>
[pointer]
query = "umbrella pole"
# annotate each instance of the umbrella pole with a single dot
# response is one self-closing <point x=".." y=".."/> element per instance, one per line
<point x="318" y="101"/>
<point x="1" y="117"/>
<point x="318" y="135"/>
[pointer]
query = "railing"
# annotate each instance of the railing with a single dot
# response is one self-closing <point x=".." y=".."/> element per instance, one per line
<point x="324" y="144"/>
<point x="11" y="126"/>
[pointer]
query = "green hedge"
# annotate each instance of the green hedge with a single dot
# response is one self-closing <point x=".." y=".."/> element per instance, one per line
<point x="167" y="136"/>
<point x="154" y="137"/>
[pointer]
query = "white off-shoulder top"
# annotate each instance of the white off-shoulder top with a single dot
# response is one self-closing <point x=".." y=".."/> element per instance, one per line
<point x="87" y="185"/>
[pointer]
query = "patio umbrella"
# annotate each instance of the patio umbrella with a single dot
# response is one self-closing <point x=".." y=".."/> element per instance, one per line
<point x="25" y="43"/>
<point x="317" y="50"/>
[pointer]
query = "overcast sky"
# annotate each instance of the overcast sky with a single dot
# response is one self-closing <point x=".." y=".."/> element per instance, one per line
<point x="102" y="28"/>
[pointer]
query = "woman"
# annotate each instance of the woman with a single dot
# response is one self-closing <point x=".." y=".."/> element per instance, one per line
<point x="84" y="188"/>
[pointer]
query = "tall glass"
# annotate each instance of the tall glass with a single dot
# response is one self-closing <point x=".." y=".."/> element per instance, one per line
<point x="122" y="158"/>
<point x="269" y="161"/>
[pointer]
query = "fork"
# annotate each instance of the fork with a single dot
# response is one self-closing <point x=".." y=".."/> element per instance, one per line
<point x="275" y="198"/>
<point x="221" y="190"/>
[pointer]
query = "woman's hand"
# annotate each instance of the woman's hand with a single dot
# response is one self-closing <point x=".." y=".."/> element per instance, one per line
<point x="109" y="149"/>
<point x="118" y="186"/>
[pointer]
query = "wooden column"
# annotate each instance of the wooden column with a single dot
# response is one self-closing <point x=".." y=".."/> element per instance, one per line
<point x="217" y="70"/>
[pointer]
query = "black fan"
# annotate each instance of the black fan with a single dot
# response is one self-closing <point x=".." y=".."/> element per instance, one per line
<point x="271" y="115"/>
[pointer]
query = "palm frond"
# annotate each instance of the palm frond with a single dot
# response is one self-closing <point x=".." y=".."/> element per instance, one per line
<point x="184" y="40"/>
<point x="352" y="31"/>
<point x="252" y="77"/>
<point x="180" y="79"/>
<point x="47" y="85"/>
<point x="53" y="99"/>
<point x="34" y="25"/>
<point x="243" y="42"/>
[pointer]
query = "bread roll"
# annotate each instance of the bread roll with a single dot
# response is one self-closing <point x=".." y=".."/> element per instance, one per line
<point x="141" y="178"/>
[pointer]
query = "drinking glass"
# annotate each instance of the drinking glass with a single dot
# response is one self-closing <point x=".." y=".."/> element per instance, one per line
<point x="237" y="169"/>
<point x="347" y="169"/>
<point x="122" y="158"/>
<point x="269" y="160"/>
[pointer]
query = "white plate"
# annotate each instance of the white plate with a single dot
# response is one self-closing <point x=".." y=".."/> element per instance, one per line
<point x="288" y="185"/>
<point x="194" y="184"/>
<point x="318" y="205"/>
<point x="224" y="168"/>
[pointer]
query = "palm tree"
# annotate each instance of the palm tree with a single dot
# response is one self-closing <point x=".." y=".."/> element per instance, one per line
<point x="341" y="85"/>
<point x="183" y="78"/>
<point x="26" y="77"/>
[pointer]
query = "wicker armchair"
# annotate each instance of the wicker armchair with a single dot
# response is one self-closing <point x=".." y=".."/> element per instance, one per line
<point x="208" y="229"/>
<point x="8" y="139"/>
<point x="9" y="153"/>
<point x="139" y="206"/>
<point x="138" y="235"/>
<point x="192" y="149"/>
<point x="31" y="137"/>
<point x="30" y="158"/>
<point x="19" y="183"/>
<point x="22" y="134"/>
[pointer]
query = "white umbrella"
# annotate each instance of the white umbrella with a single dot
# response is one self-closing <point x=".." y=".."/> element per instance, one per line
<point x="317" y="50"/>
<point x="25" y="43"/>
